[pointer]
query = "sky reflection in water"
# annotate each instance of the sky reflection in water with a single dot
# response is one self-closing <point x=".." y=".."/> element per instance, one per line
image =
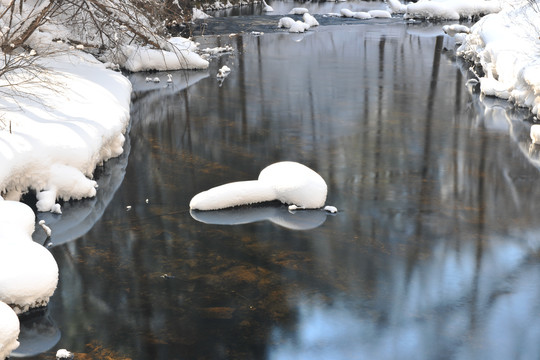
<point x="433" y="254"/>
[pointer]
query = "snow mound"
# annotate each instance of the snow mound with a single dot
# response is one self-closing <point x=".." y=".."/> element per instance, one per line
<point x="286" y="22"/>
<point x="450" y="9"/>
<point x="199" y="14"/>
<point x="288" y="182"/>
<point x="298" y="27"/>
<point x="145" y="59"/>
<point x="383" y="14"/>
<point x="501" y="45"/>
<point x="535" y="134"/>
<point x="298" y="11"/>
<point x="28" y="271"/>
<point x="57" y="148"/>
<point x="357" y="15"/>
<point x="454" y="29"/>
<point x="310" y="20"/>
<point x="9" y="330"/>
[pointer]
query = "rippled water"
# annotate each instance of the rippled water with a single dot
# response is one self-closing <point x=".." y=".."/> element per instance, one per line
<point x="434" y="253"/>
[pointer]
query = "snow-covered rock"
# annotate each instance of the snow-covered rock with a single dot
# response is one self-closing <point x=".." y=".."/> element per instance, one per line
<point x="535" y="134"/>
<point x="454" y="29"/>
<point x="383" y="14"/>
<point x="298" y="27"/>
<point x="310" y="20"/>
<point x="397" y="7"/>
<point x="198" y="14"/>
<point x="298" y="11"/>
<point x="224" y="71"/>
<point x="357" y="15"/>
<point x="288" y="182"/>
<point x="266" y="7"/>
<point x="286" y="22"/>
<point x="28" y="271"/>
<point x="9" y="330"/>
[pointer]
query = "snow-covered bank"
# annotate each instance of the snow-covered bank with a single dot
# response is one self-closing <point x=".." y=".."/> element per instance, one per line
<point x="9" y="330"/>
<point x="502" y="45"/>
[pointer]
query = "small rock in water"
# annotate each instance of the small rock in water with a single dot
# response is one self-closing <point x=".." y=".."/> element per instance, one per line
<point x="64" y="354"/>
<point x="330" y="209"/>
<point x="45" y="228"/>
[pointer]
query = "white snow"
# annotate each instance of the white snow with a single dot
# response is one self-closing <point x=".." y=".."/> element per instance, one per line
<point x="224" y="71"/>
<point x="298" y="27"/>
<point x="286" y="22"/>
<point x="28" y="271"/>
<point x="64" y="354"/>
<point x="289" y="182"/>
<point x="9" y="330"/>
<point x="199" y="14"/>
<point x="310" y="20"/>
<point x="267" y="7"/>
<point x="379" y="14"/>
<point x="331" y="209"/>
<point x="174" y="57"/>
<point x="357" y="15"/>
<point x="448" y="9"/>
<point x="503" y="46"/>
<point x="535" y="134"/>
<point x="298" y="11"/>
<point x="454" y="29"/>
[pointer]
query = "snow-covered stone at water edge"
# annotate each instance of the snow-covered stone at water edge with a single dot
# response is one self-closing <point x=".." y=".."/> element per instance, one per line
<point x="64" y="354"/>
<point x="285" y="22"/>
<point x="267" y="7"/>
<point x="535" y="134"/>
<point x="379" y="14"/>
<point x="310" y="20"/>
<point x="9" y="330"/>
<point x="223" y="72"/>
<point x="298" y="27"/>
<point x="298" y="11"/>
<point x="289" y="182"/>
<point x="452" y="30"/>
<point x="28" y="271"/>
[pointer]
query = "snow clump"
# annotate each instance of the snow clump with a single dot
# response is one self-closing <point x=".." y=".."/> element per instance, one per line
<point x="454" y="29"/>
<point x="9" y="330"/>
<point x="28" y="271"/>
<point x="285" y="22"/>
<point x="289" y="182"/>
<point x="298" y="11"/>
<point x="298" y="27"/>
<point x="199" y="15"/>
<point x="310" y="20"/>
<point x="357" y="15"/>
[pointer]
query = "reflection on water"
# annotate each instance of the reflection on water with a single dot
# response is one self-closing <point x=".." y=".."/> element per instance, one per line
<point x="433" y="254"/>
<point x="280" y="215"/>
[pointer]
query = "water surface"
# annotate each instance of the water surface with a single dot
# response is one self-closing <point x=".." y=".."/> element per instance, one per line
<point x="433" y="254"/>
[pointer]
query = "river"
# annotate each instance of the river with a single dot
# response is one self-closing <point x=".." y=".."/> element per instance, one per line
<point x="434" y="253"/>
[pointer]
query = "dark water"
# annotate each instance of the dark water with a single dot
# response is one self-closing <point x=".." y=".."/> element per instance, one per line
<point x="434" y="253"/>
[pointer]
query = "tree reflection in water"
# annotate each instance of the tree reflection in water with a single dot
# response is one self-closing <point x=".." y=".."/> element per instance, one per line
<point x="434" y="254"/>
